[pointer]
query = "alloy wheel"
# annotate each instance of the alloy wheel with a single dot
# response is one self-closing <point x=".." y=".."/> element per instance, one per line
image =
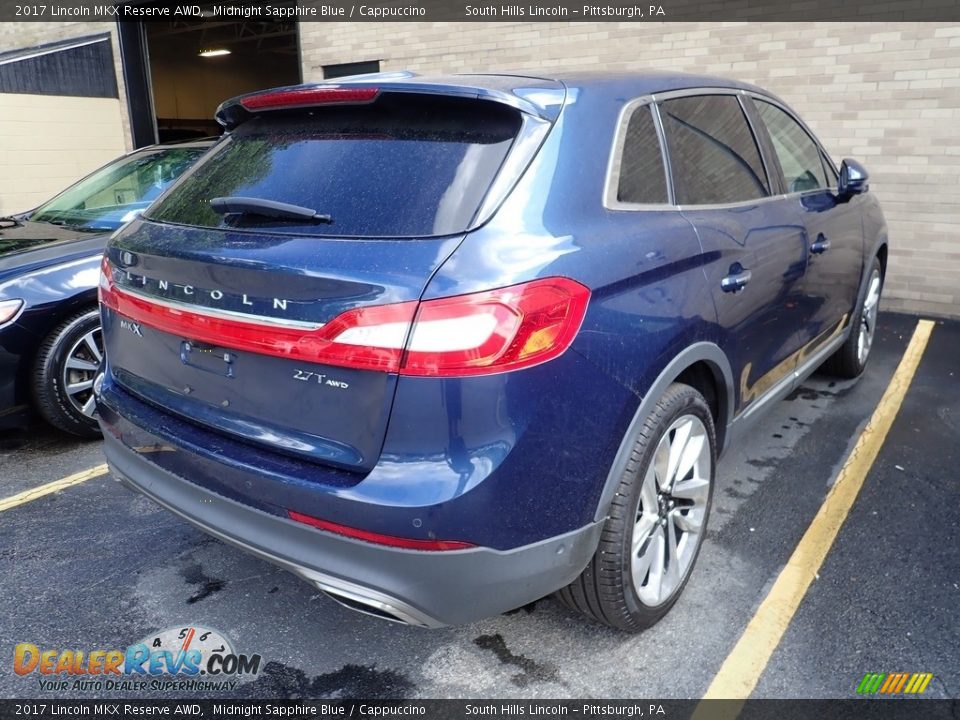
<point x="868" y="318"/>
<point x="672" y="511"/>
<point x="80" y="371"/>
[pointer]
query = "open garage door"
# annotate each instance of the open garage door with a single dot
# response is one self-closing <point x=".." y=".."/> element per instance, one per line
<point x="197" y="64"/>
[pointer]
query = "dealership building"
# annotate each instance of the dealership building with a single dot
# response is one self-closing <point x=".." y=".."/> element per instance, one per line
<point x="74" y="95"/>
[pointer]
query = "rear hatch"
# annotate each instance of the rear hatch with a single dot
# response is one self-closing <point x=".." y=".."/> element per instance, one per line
<point x="287" y="329"/>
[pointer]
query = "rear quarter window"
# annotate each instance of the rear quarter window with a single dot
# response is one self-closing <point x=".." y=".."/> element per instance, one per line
<point x="401" y="167"/>
<point x="642" y="179"/>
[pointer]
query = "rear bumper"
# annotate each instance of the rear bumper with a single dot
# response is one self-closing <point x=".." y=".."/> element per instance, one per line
<point x="429" y="589"/>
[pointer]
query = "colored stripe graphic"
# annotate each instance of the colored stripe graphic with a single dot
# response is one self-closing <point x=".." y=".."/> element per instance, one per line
<point x="894" y="683"/>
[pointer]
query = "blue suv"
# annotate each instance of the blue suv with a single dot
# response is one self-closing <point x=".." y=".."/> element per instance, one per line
<point x="444" y="345"/>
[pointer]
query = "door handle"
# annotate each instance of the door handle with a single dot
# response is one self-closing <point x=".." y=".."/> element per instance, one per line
<point x="736" y="282"/>
<point x="821" y="245"/>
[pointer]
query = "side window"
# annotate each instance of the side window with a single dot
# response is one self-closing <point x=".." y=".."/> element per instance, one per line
<point x="832" y="175"/>
<point x="713" y="153"/>
<point x="799" y="155"/>
<point x="642" y="176"/>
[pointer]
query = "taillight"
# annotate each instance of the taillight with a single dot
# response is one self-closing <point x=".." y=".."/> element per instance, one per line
<point x="495" y="331"/>
<point x="303" y="97"/>
<point x="476" y="334"/>
<point x="310" y="342"/>
<point x="377" y="538"/>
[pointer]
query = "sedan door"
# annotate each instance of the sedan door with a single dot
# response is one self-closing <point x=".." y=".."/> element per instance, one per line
<point x="833" y="232"/>
<point x="753" y="244"/>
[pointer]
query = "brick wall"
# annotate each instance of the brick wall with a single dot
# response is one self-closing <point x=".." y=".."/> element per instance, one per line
<point x="16" y="35"/>
<point x="48" y="142"/>
<point x="887" y="94"/>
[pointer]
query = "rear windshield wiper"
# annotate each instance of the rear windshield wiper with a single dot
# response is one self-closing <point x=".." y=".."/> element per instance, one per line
<point x="266" y="208"/>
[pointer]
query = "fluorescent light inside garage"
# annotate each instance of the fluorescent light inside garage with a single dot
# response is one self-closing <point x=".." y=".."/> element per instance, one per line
<point x="214" y="52"/>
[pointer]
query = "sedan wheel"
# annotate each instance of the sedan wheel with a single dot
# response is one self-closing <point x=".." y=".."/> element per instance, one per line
<point x="80" y="370"/>
<point x="65" y="371"/>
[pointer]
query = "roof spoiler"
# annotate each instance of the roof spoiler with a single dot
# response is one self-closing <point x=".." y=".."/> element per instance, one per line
<point x="543" y="103"/>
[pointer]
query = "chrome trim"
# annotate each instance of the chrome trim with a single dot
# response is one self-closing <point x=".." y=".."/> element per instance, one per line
<point x="380" y="603"/>
<point x="258" y="320"/>
<point x="610" y="201"/>
<point x="614" y="161"/>
<point x="794" y="378"/>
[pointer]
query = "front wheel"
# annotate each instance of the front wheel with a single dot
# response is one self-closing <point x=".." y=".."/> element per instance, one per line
<point x="850" y="360"/>
<point x="64" y="373"/>
<point x="657" y="519"/>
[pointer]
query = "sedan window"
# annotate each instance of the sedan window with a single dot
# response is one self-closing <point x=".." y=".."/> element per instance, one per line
<point x="111" y="196"/>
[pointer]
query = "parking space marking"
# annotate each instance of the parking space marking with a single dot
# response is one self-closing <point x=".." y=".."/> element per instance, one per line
<point x="740" y="672"/>
<point x="52" y="487"/>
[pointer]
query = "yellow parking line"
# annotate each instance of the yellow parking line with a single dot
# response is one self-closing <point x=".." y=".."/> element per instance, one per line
<point x="52" y="487"/>
<point x="740" y="672"/>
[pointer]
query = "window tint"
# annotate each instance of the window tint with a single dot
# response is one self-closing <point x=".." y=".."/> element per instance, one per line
<point x="831" y="171"/>
<point x="712" y="151"/>
<point x="400" y="167"/>
<point x="642" y="177"/>
<point x="798" y="154"/>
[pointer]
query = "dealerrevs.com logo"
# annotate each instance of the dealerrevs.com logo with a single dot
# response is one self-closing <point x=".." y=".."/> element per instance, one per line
<point x="189" y="658"/>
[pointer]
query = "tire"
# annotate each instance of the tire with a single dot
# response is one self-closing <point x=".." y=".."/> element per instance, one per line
<point x="69" y="359"/>
<point x="607" y="591"/>
<point x="850" y="360"/>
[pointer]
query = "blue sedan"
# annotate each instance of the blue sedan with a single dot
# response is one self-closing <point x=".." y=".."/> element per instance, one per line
<point x="50" y="343"/>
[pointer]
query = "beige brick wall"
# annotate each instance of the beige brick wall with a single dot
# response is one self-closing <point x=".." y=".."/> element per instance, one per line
<point x="47" y="142"/>
<point x="887" y="94"/>
<point x="16" y="35"/>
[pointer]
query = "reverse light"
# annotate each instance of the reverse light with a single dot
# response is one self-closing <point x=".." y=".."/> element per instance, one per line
<point x="479" y="333"/>
<point x="302" y="97"/>
<point x="9" y="309"/>
<point x="495" y="331"/>
<point x="377" y="538"/>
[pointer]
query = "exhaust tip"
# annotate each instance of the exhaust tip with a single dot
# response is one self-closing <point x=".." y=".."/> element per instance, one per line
<point x="374" y="610"/>
<point x="376" y="605"/>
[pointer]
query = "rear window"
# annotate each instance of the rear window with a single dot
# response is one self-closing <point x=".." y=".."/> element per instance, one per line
<point x="405" y="166"/>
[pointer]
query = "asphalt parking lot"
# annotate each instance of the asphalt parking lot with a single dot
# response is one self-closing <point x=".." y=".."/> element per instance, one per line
<point x="95" y="566"/>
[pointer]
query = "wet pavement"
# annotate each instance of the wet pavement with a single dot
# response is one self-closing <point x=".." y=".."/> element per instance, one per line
<point x="97" y="567"/>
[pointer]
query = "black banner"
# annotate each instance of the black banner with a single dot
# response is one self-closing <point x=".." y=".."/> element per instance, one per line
<point x="874" y="709"/>
<point x="635" y="11"/>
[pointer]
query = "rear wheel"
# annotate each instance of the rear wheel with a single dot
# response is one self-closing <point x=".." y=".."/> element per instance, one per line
<point x="851" y="359"/>
<point x="64" y="372"/>
<point x="657" y="519"/>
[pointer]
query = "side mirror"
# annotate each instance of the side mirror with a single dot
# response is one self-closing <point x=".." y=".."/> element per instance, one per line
<point x="853" y="178"/>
